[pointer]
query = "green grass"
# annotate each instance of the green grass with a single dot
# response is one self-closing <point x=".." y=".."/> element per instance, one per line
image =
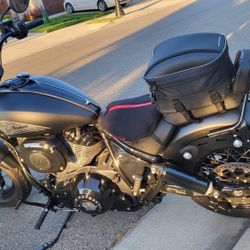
<point x="103" y="20"/>
<point x="67" y="20"/>
<point x="7" y="17"/>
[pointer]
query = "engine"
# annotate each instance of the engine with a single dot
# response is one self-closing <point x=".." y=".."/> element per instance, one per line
<point x="95" y="195"/>
<point x="85" y="143"/>
<point x="66" y="161"/>
<point x="52" y="154"/>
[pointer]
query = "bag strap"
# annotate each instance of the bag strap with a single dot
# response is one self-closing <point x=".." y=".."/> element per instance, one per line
<point x="180" y="108"/>
<point x="218" y="101"/>
<point x="152" y="89"/>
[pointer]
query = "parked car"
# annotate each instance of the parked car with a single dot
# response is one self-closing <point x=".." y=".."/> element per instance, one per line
<point x="77" y="5"/>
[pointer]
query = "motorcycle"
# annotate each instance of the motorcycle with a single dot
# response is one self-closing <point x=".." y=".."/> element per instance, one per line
<point x="58" y="140"/>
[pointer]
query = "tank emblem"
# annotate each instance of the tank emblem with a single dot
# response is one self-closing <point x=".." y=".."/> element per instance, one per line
<point x="16" y="128"/>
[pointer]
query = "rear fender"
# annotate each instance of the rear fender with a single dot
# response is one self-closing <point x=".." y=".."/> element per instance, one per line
<point x="194" y="139"/>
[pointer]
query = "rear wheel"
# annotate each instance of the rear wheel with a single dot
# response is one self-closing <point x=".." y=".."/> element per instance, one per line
<point x="223" y="207"/>
<point x="102" y="6"/>
<point x="13" y="186"/>
<point x="231" y="168"/>
<point x="69" y="8"/>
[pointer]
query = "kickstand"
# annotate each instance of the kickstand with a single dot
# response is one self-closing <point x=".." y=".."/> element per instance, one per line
<point x="51" y="243"/>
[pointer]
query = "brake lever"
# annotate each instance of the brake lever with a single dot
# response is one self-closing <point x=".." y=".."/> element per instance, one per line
<point x="4" y="37"/>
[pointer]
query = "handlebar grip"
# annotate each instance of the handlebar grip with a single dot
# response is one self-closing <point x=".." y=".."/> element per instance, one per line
<point x="34" y="24"/>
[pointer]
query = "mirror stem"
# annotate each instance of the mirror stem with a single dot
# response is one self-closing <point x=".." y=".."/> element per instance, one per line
<point x="5" y="12"/>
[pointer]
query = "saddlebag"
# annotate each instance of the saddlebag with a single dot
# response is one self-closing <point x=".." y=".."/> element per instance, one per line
<point x="192" y="76"/>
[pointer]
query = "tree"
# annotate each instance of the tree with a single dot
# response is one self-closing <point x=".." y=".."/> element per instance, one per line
<point x="119" y="12"/>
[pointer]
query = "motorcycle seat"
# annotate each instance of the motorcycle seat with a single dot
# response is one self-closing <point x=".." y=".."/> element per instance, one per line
<point x="138" y="123"/>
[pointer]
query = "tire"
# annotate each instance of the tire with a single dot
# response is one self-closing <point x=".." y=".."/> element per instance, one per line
<point x="223" y="206"/>
<point x="102" y="6"/>
<point x="19" y="187"/>
<point x="69" y="8"/>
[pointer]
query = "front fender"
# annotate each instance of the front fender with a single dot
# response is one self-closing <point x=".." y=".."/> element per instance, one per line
<point x="7" y="160"/>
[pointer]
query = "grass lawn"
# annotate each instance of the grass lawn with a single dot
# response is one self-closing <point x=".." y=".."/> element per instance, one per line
<point x="103" y="20"/>
<point x="67" y="20"/>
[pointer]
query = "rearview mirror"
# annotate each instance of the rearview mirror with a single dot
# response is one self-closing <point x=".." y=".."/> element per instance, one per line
<point x="19" y="6"/>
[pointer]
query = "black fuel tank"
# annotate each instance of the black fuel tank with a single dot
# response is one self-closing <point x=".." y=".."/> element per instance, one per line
<point x="39" y="104"/>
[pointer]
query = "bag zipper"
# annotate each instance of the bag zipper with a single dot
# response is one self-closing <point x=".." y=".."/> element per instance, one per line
<point x="185" y="74"/>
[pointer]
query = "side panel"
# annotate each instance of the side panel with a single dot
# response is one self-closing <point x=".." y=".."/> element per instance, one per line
<point x="194" y="138"/>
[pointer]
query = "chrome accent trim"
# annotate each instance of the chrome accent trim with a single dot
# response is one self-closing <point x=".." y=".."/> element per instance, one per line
<point x="87" y="101"/>
<point x="17" y="128"/>
<point x="210" y="189"/>
<point x="52" y="96"/>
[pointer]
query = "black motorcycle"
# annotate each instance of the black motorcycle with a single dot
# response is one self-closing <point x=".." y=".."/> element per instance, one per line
<point x="189" y="136"/>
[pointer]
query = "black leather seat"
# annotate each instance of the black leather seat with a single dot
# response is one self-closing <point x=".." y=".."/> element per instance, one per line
<point x="138" y="123"/>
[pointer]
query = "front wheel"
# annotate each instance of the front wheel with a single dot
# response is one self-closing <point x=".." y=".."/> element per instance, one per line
<point x="13" y="186"/>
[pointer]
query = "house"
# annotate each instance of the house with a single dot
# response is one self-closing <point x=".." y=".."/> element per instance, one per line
<point x="3" y="5"/>
<point x="51" y="6"/>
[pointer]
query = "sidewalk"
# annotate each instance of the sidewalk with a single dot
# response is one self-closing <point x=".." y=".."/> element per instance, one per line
<point x="40" y="42"/>
<point x="178" y="223"/>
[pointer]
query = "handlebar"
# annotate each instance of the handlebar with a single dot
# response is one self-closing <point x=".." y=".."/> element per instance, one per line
<point x="34" y="24"/>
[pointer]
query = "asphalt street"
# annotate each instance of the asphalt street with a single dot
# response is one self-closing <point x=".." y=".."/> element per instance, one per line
<point x="108" y="65"/>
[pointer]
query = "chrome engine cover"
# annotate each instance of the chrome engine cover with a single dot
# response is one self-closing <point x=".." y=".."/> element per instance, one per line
<point x="44" y="155"/>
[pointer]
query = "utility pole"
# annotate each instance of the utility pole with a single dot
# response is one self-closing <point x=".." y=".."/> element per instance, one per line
<point x="119" y="12"/>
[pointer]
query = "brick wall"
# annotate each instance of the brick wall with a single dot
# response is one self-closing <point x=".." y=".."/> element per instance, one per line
<point x="54" y="6"/>
<point x="3" y="5"/>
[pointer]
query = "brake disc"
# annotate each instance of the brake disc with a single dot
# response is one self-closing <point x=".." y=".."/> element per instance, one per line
<point x="233" y="172"/>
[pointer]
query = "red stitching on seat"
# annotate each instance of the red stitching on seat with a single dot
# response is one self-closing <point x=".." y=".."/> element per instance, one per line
<point x="119" y="138"/>
<point x="129" y="106"/>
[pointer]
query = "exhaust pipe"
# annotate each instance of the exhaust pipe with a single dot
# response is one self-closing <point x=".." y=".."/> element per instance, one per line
<point x="181" y="179"/>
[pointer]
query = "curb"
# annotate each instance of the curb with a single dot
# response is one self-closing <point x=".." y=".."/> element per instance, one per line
<point x="243" y="241"/>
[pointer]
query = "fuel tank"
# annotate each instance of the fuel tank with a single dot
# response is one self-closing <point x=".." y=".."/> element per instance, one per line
<point x="38" y="105"/>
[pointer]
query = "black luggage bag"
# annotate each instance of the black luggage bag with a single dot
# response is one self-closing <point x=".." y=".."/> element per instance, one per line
<point x="192" y="76"/>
